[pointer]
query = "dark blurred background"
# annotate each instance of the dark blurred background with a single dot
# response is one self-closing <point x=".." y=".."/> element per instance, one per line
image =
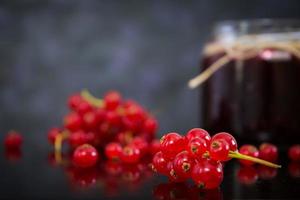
<point x="148" y="50"/>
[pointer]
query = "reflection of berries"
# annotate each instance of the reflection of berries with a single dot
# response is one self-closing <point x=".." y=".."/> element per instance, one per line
<point x="85" y="156"/>
<point x="13" y="154"/>
<point x="247" y="175"/>
<point x="294" y="153"/>
<point x="294" y="169"/>
<point x="13" y="139"/>
<point x="268" y="152"/>
<point x="248" y="150"/>
<point x="266" y="173"/>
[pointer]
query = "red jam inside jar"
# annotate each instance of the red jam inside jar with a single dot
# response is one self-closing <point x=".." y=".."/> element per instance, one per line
<point x="256" y="94"/>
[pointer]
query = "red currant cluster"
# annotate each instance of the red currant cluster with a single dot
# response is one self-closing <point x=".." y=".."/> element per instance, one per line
<point x="198" y="156"/>
<point x="123" y="127"/>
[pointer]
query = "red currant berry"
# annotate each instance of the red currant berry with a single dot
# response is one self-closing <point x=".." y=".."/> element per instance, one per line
<point x="183" y="164"/>
<point x="248" y="150"/>
<point x="13" y="140"/>
<point x="150" y="125"/>
<point x="113" y="150"/>
<point x="130" y="154"/>
<point x="74" y="101"/>
<point x="197" y="147"/>
<point x="73" y="122"/>
<point x="159" y="163"/>
<point x="171" y="144"/>
<point x="135" y="113"/>
<point x="219" y="150"/>
<point x="112" y="100"/>
<point x="90" y="120"/>
<point x="52" y="134"/>
<point x="173" y="177"/>
<point x="77" y="138"/>
<point x="141" y="144"/>
<point x="268" y="152"/>
<point x="228" y="138"/>
<point x="85" y="156"/>
<point x="113" y="118"/>
<point x="198" y="133"/>
<point x="247" y="175"/>
<point x="207" y="174"/>
<point x="154" y="146"/>
<point x="84" y="107"/>
<point x="294" y="152"/>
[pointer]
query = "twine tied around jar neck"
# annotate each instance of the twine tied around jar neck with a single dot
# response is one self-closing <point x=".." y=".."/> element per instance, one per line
<point x="243" y="48"/>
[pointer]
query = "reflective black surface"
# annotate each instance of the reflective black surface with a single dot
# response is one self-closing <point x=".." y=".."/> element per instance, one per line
<point x="35" y="174"/>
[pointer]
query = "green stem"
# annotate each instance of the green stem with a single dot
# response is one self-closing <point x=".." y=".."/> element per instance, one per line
<point x="58" y="145"/>
<point x="235" y="154"/>
<point x="91" y="99"/>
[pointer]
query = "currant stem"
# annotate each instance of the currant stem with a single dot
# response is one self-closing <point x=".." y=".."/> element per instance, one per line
<point x="58" y="145"/>
<point x="91" y="99"/>
<point x="235" y="154"/>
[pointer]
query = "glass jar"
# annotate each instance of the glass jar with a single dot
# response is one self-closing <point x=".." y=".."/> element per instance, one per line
<point x="250" y="82"/>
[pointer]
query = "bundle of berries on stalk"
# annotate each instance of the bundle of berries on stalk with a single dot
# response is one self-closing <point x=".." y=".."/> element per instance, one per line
<point x="198" y="156"/>
<point x="122" y="129"/>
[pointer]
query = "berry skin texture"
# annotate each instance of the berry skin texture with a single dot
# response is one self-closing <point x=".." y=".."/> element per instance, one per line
<point x="228" y="138"/>
<point x="13" y="140"/>
<point x="113" y="150"/>
<point x="171" y="144"/>
<point x="294" y="152"/>
<point x="268" y="152"/>
<point x="219" y="149"/>
<point x="130" y="154"/>
<point x="207" y="174"/>
<point x="183" y="164"/>
<point x="85" y="156"/>
<point x="198" y="133"/>
<point x="159" y="163"/>
<point x="248" y="150"/>
<point x="197" y="147"/>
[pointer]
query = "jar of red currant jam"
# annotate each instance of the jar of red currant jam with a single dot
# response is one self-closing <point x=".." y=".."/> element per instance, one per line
<point x="250" y="80"/>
